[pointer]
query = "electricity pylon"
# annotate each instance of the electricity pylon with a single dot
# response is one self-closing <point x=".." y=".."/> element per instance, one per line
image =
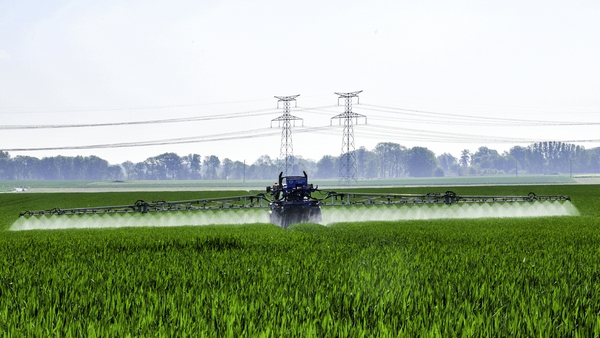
<point x="287" y="148"/>
<point x="348" y="156"/>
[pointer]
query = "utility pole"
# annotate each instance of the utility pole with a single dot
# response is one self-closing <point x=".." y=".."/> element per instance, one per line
<point x="348" y="157"/>
<point x="287" y="149"/>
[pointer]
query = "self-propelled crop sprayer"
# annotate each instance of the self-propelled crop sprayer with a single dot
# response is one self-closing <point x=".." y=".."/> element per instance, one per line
<point x="292" y="200"/>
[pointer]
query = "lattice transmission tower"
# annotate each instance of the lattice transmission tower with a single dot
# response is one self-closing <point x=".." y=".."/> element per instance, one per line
<point x="348" y="156"/>
<point x="286" y="151"/>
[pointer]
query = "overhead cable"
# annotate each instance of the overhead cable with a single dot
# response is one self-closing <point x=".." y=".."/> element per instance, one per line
<point x="247" y="134"/>
<point x="160" y="121"/>
<point x="427" y="116"/>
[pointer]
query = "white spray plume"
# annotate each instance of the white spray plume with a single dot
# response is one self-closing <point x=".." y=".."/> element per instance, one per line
<point x="331" y="214"/>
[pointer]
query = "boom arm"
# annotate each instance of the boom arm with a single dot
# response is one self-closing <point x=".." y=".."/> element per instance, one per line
<point x="333" y="198"/>
<point x="249" y="201"/>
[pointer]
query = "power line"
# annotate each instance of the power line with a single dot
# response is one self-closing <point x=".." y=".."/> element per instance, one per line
<point x="195" y="139"/>
<point x="318" y="110"/>
<point x="460" y="119"/>
<point x="424" y="117"/>
<point x="369" y="131"/>
<point x="246" y="134"/>
<point x="372" y="131"/>
<point x="51" y="110"/>
<point x="160" y="121"/>
<point x="377" y="131"/>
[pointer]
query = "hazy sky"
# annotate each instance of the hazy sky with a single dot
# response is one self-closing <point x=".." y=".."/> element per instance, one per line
<point x="90" y="62"/>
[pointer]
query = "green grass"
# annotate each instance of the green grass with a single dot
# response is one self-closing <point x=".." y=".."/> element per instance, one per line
<point x="482" y="277"/>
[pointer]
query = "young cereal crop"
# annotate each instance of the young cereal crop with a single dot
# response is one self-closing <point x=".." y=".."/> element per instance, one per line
<point x="482" y="277"/>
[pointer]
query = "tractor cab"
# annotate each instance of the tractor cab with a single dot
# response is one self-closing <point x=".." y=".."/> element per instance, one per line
<point x="292" y="201"/>
<point x="292" y="188"/>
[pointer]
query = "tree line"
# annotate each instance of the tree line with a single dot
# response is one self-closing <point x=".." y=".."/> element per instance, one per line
<point x="386" y="160"/>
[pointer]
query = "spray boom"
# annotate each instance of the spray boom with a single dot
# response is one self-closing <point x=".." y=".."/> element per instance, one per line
<point x="290" y="200"/>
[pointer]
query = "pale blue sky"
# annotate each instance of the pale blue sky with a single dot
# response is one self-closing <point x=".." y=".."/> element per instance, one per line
<point x="70" y="62"/>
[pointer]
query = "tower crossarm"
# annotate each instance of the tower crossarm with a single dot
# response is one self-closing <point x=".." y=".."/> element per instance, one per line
<point x="284" y="118"/>
<point x="286" y="99"/>
<point x="345" y="115"/>
<point x="348" y="95"/>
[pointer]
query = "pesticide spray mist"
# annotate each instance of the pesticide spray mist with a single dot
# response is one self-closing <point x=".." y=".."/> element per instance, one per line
<point x="331" y="214"/>
<point x="436" y="211"/>
<point x="162" y="219"/>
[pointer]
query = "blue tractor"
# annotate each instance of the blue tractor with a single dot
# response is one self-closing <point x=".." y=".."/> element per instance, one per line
<point x="292" y="201"/>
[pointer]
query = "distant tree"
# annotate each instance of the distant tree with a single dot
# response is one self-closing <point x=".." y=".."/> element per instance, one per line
<point x="447" y="162"/>
<point x="484" y="157"/>
<point x="26" y="168"/>
<point x="547" y="157"/>
<point x="391" y="158"/>
<point x="128" y="170"/>
<point x="249" y="172"/>
<point x="195" y="166"/>
<point x="535" y="159"/>
<point x="367" y="163"/>
<point x="226" y="169"/>
<point x="594" y="160"/>
<point x="302" y="164"/>
<point x="64" y="167"/>
<point x="465" y="158"/>
<point x="506" y="162"/>
<point x="489" y="161"/>
<point x="326" y="167"/>
<point x="386" y="160"/>
<point x="520" y="154"/>
<point x="582" y="160"/>
<point x="420" y="162"/>
<point x="141" y="171"/>
<point x="211" y="164"/>
<point x="169" y="166"/>
<point x="293" y="166"/>
<point x="238" y="170"/>
<point x="115" y="172"/>
<point x="96" y="168"/>
<point x="263" y="168"/>
<point x="47" y="169"/>
<point x="152" y="170"/>
<point x="78" y="168"/>
<point x="5" y="165"/>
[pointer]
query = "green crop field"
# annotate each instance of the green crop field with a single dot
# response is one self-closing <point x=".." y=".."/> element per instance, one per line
<point x="447" y="277"/>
